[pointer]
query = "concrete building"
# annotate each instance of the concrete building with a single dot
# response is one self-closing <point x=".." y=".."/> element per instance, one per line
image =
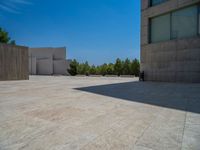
<point x="48" y="61"/>
<point x="170" y="41"/>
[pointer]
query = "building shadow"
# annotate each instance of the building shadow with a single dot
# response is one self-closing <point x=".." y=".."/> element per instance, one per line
<point x="169" y="95"/>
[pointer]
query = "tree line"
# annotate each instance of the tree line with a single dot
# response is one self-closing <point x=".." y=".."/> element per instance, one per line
<point x="120" y="67"/>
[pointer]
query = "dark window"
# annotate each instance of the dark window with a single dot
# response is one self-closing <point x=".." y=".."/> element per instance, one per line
<point x="179" y="24"/>
<point x="199" y="19"/>
<point x="184" y="22"/>
<point x="156" y="2"/>
<point x="160" y="28"/>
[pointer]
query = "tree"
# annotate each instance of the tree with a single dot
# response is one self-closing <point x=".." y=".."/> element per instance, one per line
<point x="73" y="68"/>
<point x="83" y="68"/>
<point x="86" y="68"/>
<point x="12" y="42"/>
<point x="135" y="67"/>
<point x="118" y="67"/>
<point x="103" y="69"/>
<point x="4" y="37"/>
<point x="127" y="67"/>
<point x="92" y="70"/>
<point x="98" y="70"/>
<point x="110" y="69"/>
<point x="80" y="69"/>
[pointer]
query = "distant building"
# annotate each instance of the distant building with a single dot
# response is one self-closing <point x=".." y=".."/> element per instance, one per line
<point x="48" y="61"/>
<point x="170" y="40"/>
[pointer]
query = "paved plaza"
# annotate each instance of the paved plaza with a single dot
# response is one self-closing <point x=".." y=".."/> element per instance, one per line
<point x="98" y="113"/>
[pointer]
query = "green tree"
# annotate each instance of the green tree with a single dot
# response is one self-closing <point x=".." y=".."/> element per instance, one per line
<point x="110" y="69"/>
<point x="127" y="67"/>
<point x="118" y="67"/>
<point x="80" y="68"/>
<point x="73" y="67"/>
<point x="86" y="68"/>
<point x="98" y="70"/>
<point x="12" y="42"/>
<point x="103" y="69"/>
<point x="4" y="37"/>
<point x="93" y="70"/>
<point x="83" y="68"/>
<point x="135" y="67"/>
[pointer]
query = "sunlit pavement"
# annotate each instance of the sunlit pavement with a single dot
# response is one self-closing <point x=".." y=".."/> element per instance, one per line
<point x="92" y="113"/>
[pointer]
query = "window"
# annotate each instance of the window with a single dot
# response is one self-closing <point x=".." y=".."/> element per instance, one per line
<point x="182" y="23"/>
<point x="199" y="19"/>
<point x="156" y="2"/>
<point x="160" y="28"/>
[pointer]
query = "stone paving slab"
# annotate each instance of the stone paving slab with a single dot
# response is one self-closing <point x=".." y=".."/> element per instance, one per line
<point x="98" y="113"/>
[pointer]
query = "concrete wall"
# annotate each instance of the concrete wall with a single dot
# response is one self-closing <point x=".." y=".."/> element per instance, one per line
<point x="13" y="62"/>
<point x="44" y="66"/>
<point x="174" y="60"/>
<point x="57" y="66"/>
<point x="32" y="65"/>
<point x="49" y="61"/>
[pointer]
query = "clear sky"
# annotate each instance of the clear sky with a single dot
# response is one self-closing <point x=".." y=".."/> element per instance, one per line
<point x="94" y="30"/>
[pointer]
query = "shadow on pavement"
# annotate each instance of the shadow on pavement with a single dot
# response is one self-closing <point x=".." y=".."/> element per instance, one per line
<point x="170" y="95"/>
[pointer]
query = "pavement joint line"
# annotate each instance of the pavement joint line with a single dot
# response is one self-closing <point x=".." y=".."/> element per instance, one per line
<point x="141" y="146"/>
<point x="103" y="133"/>
<point x="145" y="129"/>
<point x="185" y="118"/>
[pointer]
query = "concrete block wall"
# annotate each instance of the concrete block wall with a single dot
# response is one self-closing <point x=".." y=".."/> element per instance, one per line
<point x="60" y="67"/>
<point x="49" y="61"/>
<point x="32" y="65"/>
<point x="44" y="66"/>
<point x="13" y="62"/>
<point x="171" y="61"/>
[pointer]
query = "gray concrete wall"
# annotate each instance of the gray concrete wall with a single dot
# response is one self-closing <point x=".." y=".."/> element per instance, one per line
<point x="13" y="62"/>
<point x="60" y="67"/>
<point x="32" y="65"/>
<point x="49" y="61"/>
<point x="44" y="66"/>
<point x="68" y="65"/>
<point x="174" y="60"/>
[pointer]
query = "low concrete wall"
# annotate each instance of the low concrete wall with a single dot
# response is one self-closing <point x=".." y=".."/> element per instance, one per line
<point x="13" y="62"/>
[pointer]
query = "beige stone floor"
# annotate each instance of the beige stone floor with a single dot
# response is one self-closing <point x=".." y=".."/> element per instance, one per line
<point x="96" y="113"/>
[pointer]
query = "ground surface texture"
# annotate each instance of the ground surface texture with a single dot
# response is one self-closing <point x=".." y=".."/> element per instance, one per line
<point x="96" y="113"/>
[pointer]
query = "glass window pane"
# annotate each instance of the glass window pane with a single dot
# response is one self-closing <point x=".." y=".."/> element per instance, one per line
<point x="199" y="19"/>
<point x="160" y="28"/>
<point x="184" y="23"/>
<point x="156" y="2"/>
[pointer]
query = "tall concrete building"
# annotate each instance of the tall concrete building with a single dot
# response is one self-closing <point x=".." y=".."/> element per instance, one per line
<point x="170" y="40"/>
<point x="48" y="61"/>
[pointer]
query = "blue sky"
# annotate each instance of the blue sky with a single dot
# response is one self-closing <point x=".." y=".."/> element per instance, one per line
<point x="94" y="30"/>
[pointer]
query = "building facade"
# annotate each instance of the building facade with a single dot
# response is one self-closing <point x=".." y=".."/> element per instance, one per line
<point x="170" y="40"/>
<point x="48" y="61"/>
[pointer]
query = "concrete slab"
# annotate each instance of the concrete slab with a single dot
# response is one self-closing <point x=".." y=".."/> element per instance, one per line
<point x="63" y="113"/>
